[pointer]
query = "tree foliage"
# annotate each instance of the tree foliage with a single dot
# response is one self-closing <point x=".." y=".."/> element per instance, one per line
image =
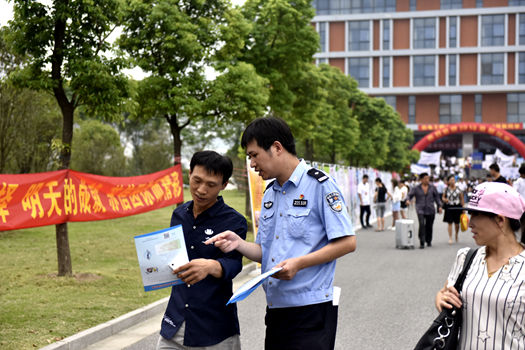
<point x="67" y="54"/>
<point x="173" y="41"/>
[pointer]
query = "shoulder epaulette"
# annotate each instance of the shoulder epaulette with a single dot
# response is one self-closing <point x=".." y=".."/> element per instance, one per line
<point x="269" y="185"/>
<point x="318" y="175"/>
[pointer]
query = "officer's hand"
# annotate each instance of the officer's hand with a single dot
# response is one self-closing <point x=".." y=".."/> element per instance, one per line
<point x="440" y="210"/>
<point x="226" y="241"/>
<point x="196" y="270"/>
<point x="290" y="268"/>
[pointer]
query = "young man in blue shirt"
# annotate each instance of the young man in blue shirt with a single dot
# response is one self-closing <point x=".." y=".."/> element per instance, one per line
<point x="197" y="315"/>
<point x="304" y="227"/>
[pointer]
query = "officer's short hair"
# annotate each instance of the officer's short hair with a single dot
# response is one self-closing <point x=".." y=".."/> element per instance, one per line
<point x="214" y="163"/>
<point x="422" y="175"/>
<point x="266" y="131"/>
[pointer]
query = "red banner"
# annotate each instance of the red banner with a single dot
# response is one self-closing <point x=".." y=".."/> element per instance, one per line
<point x="30" y="200"/>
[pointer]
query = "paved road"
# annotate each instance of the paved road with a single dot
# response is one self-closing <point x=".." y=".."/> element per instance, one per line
<point x="387" y="294"/>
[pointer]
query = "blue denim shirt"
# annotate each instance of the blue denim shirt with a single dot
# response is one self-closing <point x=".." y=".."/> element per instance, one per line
<point x="203" y="305"/>
<point x="298" y="218"/>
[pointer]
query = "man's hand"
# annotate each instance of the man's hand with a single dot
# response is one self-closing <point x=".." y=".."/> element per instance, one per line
<point x="197" y="270"/>
<point x="290" y="268"/>
<point x="440" y="210"/>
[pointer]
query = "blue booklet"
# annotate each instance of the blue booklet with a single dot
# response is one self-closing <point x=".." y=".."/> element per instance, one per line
<point x="159" y="253"/>
<point x="247" y="288"/>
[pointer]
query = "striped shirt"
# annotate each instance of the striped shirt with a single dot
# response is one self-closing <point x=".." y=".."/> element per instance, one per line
<point x="493" y="308"/>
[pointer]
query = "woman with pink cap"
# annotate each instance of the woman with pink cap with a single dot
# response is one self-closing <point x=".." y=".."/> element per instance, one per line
<point x="492" y="298"/>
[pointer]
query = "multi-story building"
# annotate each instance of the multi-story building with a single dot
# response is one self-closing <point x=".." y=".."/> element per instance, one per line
<point x="437" y="62"/>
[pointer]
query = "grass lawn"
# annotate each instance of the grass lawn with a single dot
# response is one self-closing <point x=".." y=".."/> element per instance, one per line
<point x="38" y="308"/>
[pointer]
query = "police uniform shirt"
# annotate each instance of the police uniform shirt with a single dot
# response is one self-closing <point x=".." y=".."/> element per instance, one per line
<point x="300" y="217"/>
<point x="203" y="305"/>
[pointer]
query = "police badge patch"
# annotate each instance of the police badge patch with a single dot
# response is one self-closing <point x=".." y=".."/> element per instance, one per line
<point x="334" y="201"/>
<point x="268" y="205"/>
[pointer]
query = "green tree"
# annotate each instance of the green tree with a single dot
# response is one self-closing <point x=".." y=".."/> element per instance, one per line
<point x="98" y="149"/>
<point x="173" y="42"/>
<point x="67" y="55"/>
<point x="280" y="45"/>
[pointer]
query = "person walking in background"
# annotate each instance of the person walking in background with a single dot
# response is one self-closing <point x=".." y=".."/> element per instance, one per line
<point x="363" y="191"/>
<point x="452" y="198"/>
<point x="403" y="202"/>
<point x="380" y="197"/>
<point x="491" y="300"/>
<point x="426" y="196"/>
<point x="519" y="184"/>
<point x="304" y="227"/>
<point x="197" y="315"/>
<point x="396" y="203"/>
<point x="495" y="174"/>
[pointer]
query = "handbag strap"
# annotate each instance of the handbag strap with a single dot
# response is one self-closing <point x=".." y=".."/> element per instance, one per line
<point x="466" y="265"/>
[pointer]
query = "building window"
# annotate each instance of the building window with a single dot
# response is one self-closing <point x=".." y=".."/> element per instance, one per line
<point x="449" y="109"/>
<point x="522" y="29"/>
<point x="424" y="71"/>
<point x="521" y="68"/>
<point x="390" y="100"/>
<point x="386" y="72"/>
<point x="359" y="36"/>
<point x="386" y="34"/>
<point x="452" y="69"/>
<point x="322" y="36"/>
<point x="411" y="109"/>
<point x="424" y="33"/>
<point x="493" y="30"/>
<point x="413" y="6"/>
<point x="477" y="108"/>
<point x="322" y="61"/>
<point x="479" y="3"/>
<point x="452" y="32"/>
<point x="516" y="108"/>
<point x="334" y="7"/>
<point x="492" y="68"/>
<point x="516" y="2"/>
<point x="451" y="4"/>
<point x="359" y="69"/>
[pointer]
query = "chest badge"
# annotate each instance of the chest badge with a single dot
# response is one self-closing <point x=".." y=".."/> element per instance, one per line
<point x="208" y="231"/>
<point x="334" y="201"/>
<point x="301" y="202"/>
<point x="268" y="205"/>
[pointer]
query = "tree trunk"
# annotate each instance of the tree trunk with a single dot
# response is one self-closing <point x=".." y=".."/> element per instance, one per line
<point x="177" y="142"/>
<point x="65" y="267"/>
<point x="308" y="150"/>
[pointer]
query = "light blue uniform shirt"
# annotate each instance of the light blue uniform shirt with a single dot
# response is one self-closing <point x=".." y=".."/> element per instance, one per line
<point x="296" y="219"/>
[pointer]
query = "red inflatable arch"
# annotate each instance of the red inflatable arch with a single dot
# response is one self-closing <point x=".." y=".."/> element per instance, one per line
<point x="462" y="128"/>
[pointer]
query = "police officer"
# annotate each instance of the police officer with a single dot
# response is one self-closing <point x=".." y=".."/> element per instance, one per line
<point x="304" y="226"/>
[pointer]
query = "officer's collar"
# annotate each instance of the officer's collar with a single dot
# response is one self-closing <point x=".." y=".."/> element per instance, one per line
<point x="298" y="173"/>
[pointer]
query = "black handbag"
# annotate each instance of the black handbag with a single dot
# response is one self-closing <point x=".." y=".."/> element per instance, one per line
<point x="443" y="334"/>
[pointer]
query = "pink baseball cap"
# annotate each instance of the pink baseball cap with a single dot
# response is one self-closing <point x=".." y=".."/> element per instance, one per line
<point x="498" y="198"/>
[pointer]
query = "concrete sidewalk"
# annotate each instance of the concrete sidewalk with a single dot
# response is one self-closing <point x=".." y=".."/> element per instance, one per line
<point x="133" y="327"/>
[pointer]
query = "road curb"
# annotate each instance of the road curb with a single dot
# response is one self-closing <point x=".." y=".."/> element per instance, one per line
<point x="102" y="331"/>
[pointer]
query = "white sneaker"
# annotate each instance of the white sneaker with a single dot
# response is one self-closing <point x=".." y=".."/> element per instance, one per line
<point x="392" y="228"/>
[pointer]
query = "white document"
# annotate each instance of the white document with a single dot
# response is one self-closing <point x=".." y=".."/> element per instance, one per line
<point x="159" y="253"/>
<point x="247" y="288"/>
<point x="336" y="295"/>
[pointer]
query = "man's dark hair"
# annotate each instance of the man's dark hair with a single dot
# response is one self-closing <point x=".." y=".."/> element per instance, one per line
<point x="422" y="175"/>
<point x="365" y="176"/>
<point x="266" y="131"/>
<point x="494" y="166"/>
<point x="214" y="163"/>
